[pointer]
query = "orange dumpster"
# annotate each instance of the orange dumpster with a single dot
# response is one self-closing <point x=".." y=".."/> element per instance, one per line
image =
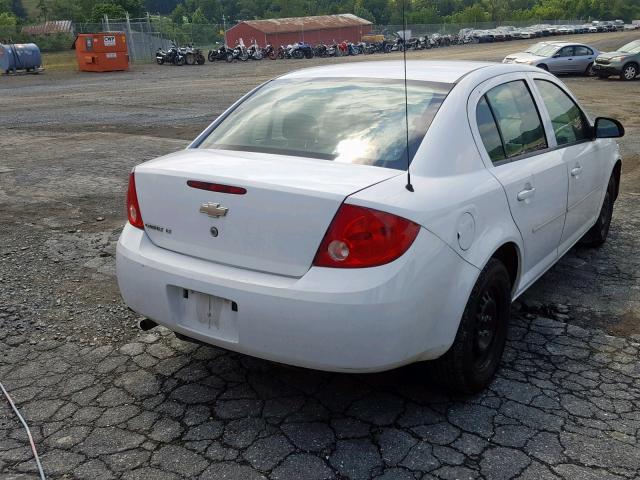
<point x="102" y="52"/>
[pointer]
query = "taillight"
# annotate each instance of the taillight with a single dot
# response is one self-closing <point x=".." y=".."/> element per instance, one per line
<point x="133" y="208"/>
<point x="360" y="237"/>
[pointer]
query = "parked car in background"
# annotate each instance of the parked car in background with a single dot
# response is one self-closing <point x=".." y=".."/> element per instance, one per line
<point x="624" y="62"/>
<point x="557" y="57"/>
<point x="289" y="230"/>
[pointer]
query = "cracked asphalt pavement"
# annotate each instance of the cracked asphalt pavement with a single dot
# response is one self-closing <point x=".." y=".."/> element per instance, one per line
<point x="107" y="401"/>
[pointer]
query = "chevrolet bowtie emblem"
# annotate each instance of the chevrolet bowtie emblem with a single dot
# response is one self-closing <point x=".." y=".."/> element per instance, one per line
<point x="213" y="209"/>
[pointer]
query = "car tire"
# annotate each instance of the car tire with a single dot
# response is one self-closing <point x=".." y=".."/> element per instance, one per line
<point x="629" y="71"/>
<point x="589" y="72"/>
<point x="473" y="359"/>
<point x="543" y="67"/>
<point x="597" y="235"/>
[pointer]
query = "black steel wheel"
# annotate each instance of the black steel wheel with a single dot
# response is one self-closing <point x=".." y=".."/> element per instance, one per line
<point x="473" y="359"/>
<point x="190" y="59"/>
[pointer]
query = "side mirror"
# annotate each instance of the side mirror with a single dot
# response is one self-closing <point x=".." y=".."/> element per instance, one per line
<point x="608" y="128"/>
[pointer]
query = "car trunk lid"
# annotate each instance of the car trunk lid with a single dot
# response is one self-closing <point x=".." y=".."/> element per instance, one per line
<point x="276" y="226"/>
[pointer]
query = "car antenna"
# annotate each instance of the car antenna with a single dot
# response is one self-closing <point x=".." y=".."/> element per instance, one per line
<point x="408" y="186"/>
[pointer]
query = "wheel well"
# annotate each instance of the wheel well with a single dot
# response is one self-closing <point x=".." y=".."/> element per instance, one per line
<point x="508" y="255"/>
<point x="617" y="169"/>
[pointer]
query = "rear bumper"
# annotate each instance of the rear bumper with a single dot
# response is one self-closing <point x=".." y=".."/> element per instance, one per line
<point x="330" y="319"/>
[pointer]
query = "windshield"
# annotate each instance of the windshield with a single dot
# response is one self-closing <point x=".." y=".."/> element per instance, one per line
<point x="633" y="47"/>
<point x="543" y="49"/>
<point x="351" y="120"/>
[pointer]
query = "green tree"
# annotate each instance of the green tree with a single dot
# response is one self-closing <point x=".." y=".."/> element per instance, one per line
<point x="198" y="17"/>
<point x="361" y="11"/>
<point x="471" y="15"/>
<point x="112" y="10"/>
<point x="44" y="9"/>
<point x="8" y="19"/>
<point x="179" y="14"/>
<point x="69" y="10"/>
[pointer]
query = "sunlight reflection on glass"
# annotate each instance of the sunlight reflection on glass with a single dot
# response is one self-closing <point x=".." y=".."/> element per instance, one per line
<point x="353" y="150"/>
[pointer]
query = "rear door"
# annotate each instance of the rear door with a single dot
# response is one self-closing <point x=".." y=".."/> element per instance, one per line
<point x="511" y="138"/>
<point x="585" y="162"/>
<point x="584" y="57"/>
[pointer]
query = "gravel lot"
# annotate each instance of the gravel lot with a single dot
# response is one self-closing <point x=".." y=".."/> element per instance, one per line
<point x="106" y="401"/>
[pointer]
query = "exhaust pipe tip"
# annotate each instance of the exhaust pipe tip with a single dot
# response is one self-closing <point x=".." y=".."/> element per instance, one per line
<point x="146" y="324"/>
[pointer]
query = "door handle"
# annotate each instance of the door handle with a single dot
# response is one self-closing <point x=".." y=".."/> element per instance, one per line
<point x="526" y="193"/>
<point x="576" y="171"/>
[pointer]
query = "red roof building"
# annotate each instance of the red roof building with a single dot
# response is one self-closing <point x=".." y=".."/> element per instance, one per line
<point x="48" y="28"/>
<point x="313" y="30"/>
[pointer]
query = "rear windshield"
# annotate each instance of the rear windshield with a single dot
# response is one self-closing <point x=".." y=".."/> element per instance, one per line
<point x="349" y="120"/>
<point x="543" y="49"/>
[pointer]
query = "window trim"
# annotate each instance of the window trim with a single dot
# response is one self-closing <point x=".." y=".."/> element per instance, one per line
<point x="585" y="118"/>
<point x="520" y="156"/>
<point x="573" y="51"/>
<point x="495" y="122"/>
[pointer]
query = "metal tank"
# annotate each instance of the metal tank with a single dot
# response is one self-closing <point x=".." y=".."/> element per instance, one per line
<point x="19" y="56"/>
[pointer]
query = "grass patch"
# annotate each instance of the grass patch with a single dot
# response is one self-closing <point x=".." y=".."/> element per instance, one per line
<point x="60" y="61"/>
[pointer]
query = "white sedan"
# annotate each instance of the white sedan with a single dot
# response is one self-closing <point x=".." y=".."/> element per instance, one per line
<point x="291" y="230"/>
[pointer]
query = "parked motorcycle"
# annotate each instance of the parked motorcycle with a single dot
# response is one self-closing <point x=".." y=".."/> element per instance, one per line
<point x="283" y="52"/>
<point x="222" y="53"/>
<point x="320" y="50"/>
<point x="255" y="52"/>
<point x="301" y="50"/>
<point x="240" y="53"/>
<point x="269" y="52"/>
<point x="173" y="56"/>
<point x="334" y="50"/>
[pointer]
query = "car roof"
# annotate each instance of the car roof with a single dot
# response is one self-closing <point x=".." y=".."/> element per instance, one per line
<point x="421" y="70"/>
<point x="566" y="44"/>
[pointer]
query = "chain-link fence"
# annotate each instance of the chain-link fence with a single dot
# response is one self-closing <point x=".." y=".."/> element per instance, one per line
<point x="146" y="35"/>
<point x="454" y="28"/>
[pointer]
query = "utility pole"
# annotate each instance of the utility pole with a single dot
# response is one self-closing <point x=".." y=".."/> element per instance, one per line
<point x="224" y="29"/>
